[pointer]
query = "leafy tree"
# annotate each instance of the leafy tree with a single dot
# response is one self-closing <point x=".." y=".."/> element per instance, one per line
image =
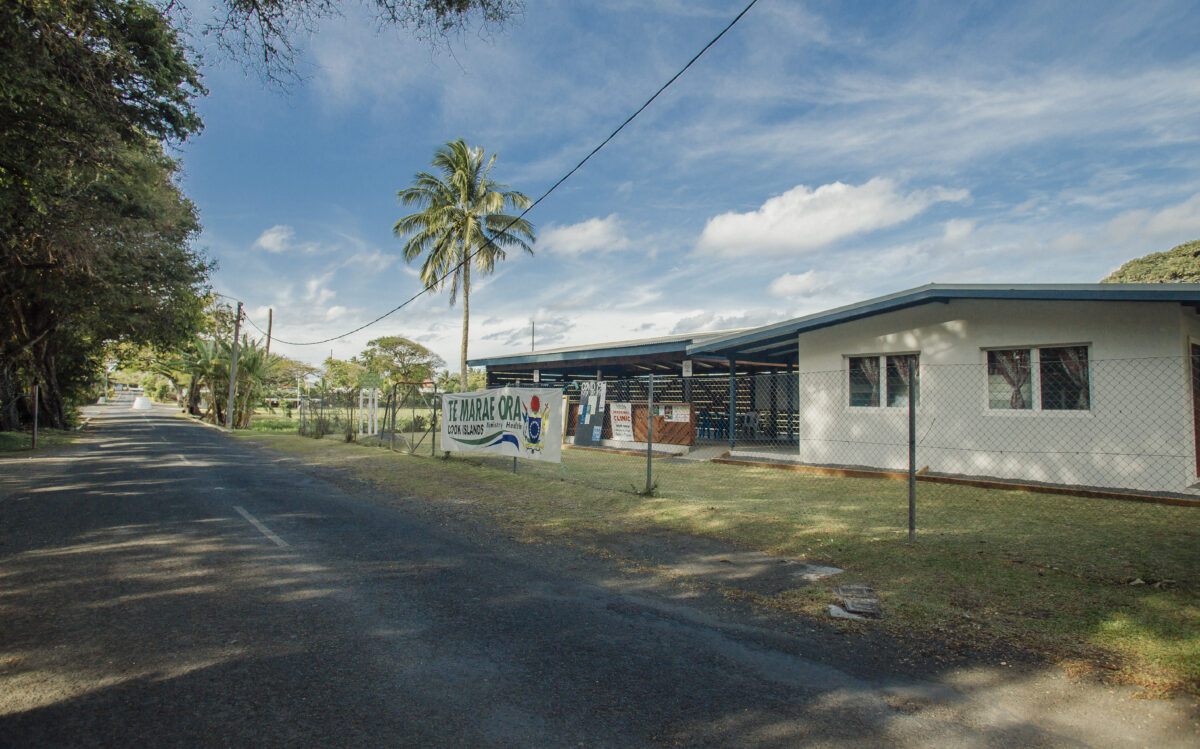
<point x="288" y="370"/>
<point x="461" y="224"/>
<point x="400" y="360"/>
<point x="94" y="231"/>
<point x="451" y="383"/>
<point x="263" y="33"/>
<point x="1178" y="264"/>
<point x="343" y="375"/>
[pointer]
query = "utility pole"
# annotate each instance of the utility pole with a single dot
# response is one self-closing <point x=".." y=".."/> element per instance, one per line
<point x="237" y="330"/>
<point x="270" y="321"/>
<point x="532" y="335"/>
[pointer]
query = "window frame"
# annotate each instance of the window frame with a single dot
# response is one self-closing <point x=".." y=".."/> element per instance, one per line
<point x="1035" y="381"/>
<point x="882" y="386"/>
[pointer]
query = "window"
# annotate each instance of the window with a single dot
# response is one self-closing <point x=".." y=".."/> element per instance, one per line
<point x="1058" y="376"/>
<point x="1065" y="379"/>
<point x="897" y="379"/>
<point x="874" y="377"/>
<point x="864" y="381"/>
<point x="1009" y="374"/>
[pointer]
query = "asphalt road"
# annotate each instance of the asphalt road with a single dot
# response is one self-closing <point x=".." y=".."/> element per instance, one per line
<point x="164" y="585"/>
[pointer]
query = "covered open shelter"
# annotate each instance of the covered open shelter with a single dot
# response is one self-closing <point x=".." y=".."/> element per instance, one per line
<point x="715" y="392"/>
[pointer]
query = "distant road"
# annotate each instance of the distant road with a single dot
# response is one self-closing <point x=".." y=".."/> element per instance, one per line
<point x="163" y="584"/>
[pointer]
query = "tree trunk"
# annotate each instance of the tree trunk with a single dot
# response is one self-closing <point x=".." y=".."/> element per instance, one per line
<point x="193" y="399"/>
<point x="9" y="419"/>
<point x="50" y="400"/>
<point x="466" y="295"/>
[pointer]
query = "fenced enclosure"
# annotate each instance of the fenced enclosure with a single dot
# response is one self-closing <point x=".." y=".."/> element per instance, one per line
<point x="402" y="416"/>
<point x="1034" y="498"/>
<point x="943" y="447"/>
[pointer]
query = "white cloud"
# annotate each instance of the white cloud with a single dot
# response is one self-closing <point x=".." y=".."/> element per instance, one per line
<point x="593" y="235"/>
<point x="374" y="261"/>
<point x="707" y="322"/>
<point x="1182" y="219"/>
<point x="956" y="230"/>
<point x="335" y="312"/>
<point x="276" y="239"/>
<point x="799" y="284"/>
<point x="316" y="291"/>
<point x="1180" y="222"/>
<point x="803" y="219"/>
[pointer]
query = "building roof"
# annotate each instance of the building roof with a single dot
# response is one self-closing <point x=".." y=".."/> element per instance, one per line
<point x="778" y="341"/>
<point x="636" y="347"/>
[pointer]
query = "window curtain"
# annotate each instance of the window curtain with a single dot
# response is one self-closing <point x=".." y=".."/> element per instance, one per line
<point x="901" y="365"/>
<point x="1075" y="364"/>
<point x="870" y="370"/>
<point x="1014" y="367"/>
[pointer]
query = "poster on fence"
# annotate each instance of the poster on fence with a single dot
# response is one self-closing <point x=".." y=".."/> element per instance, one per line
<point x="516" y="422"/>
<point x="622" y="421"/>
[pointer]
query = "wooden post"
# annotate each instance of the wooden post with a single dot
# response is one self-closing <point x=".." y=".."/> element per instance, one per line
<point x="270" y="322"/>
<point x="35" y="415"/>
<point x="237" y="329"/>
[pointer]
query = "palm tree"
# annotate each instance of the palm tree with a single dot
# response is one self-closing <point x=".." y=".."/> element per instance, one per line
<point x="461" y="223"/>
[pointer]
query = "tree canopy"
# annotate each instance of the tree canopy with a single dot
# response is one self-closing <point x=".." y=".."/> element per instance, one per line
<point x="1178" y="264"/>
<point x="264" y="33"/>
<point x="94" y="230"/>
<point x="400" y="360"/>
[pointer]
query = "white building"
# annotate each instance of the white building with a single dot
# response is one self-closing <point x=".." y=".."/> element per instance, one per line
<point x="1081" y="385"/>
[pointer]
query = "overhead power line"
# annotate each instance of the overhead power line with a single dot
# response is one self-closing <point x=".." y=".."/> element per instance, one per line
<point x="534" y="204"/>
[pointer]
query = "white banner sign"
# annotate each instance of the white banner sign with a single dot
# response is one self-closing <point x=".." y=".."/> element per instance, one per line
<point x="518" y="422"/>
<point x="622" y="421"/>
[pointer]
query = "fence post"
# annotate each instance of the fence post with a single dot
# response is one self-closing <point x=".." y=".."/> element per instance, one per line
<point x="732" y="403"/>
<point x="35" y="415"/>
<point x="650" y="435"/>
<point x="912" y="451"/>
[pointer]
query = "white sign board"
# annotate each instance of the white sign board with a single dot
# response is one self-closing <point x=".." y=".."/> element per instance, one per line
<point x="687" y="367"/>
<point x="622" y="421"/>
<point x="517" y="422"/>
<point x="678" y="413"/>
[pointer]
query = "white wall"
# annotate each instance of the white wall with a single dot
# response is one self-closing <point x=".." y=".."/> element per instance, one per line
<point x="1138" y="433"/>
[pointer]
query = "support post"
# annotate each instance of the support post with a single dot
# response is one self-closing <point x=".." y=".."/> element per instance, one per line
<point x="650" y="437"/>
<point x="732" y="404"/>
<point x="270" y="323"/>
<point x="237" y="330"/>
<point x="793" y="403"/>
<point x="35" y="414"/>
<point x="912" y="453"/>
<point x="360" y="412"/>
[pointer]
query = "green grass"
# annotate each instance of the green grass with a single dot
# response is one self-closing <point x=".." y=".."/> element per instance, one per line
<point x="1048" y="573"/>
<point x="16" y="441"/>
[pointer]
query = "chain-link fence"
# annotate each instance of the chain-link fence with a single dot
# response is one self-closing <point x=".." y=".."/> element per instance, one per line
<point x="1028" y="441"/>
<point x="403" y="416"/>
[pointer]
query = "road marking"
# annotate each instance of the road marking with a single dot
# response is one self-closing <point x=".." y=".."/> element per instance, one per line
<point x="185" y="460"/>
<point x="262" y="528"/>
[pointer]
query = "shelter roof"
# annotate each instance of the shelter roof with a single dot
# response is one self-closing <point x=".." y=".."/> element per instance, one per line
<point x="670" y="344"/>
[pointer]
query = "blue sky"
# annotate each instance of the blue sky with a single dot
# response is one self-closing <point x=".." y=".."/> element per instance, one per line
<point x="820" y="154"/>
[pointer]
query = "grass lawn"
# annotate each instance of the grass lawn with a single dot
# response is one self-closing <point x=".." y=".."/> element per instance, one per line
<point x="1095" y="585"/>
<point x="15" y="441"/>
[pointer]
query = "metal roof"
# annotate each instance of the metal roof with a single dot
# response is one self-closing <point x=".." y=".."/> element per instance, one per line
<point x="636" y="347"/>
<point x="761" y="341"/>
